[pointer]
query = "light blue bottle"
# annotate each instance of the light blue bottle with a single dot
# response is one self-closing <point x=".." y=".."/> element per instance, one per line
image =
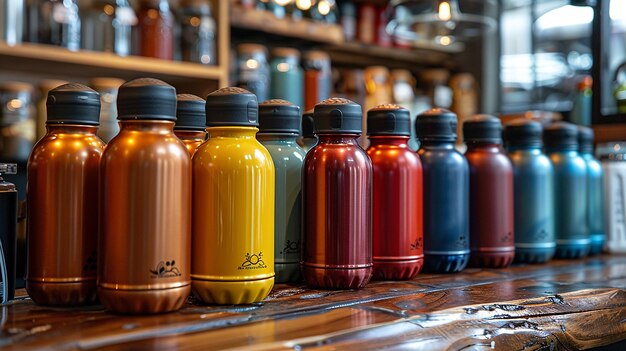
<point x="595" y="202"/>
<point x="533" y="192"/>
<point x="570" y="190"/>
<point x="287" y="77"/>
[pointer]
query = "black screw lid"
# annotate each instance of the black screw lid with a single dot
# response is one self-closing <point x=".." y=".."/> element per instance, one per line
<point x="337" y="115"/>
<point x="190" y="112"/>
<point x="388" y="119"/>
<point x="585" y="140"/>
<point x="561" y="136"/>
<point x="308" y="124"/>
<point x="279" y="116"/>
<point x="232" y="106"/>
<point x="73" y="103"/>
<point x="436" y="124"/>
<point x="523" y="132"/>
<point x="482" y="129"/>
<point x="146" y="98"/>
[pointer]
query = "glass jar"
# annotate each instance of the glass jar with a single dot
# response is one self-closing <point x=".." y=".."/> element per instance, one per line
<point x="198" y="32"/>
<point x="54" y="22"/>
<point x="253" y="70"/>
<point x="287" y="79"/>
<point x="156" y="29"/>
<point x="107" y="26"/>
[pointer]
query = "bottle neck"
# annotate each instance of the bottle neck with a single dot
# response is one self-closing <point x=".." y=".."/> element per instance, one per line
<point x="292" y="137"/>
<point x="71" y="128"/>
<point x="396" y="140"/>
<point x="483" y="146"/>
<point x="350" y="139"/>
<point x="437" y="144"/>
<point x="232" y="132"/>
<point x="190" y="134"/>
<point x="147" y="126"/>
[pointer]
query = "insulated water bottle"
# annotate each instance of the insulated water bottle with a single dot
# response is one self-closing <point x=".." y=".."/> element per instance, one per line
<point x="595" y="201"/>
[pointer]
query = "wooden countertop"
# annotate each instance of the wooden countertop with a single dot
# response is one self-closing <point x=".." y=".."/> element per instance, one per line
<point x="561" y="305"/>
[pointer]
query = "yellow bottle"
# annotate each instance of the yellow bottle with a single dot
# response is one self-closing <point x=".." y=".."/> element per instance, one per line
<point x="233" y="204"/>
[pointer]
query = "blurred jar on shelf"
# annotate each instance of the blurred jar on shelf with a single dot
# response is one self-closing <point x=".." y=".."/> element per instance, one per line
<point x="382" y="17"/>
<point x="107" y="26"/>
<point x="436" y="81"/>
<point x="402" y="83"/>
<point x="366" y="23"/>
<point x="253" y="70"/>
<point x="377" y="89"/>
<point x="317" y="78"/>
<point x="197" y="32"/>
<point x="44" y="87"/>
<point x="464" y="99"/>
<point x="107" y="88"/>
<point x="287" y="77"/>
<point x="348" y="20"/>
<point x="12" y="22"/>
<point x="156" y="29"/>
<point x="54" y="22"/>
<point x="325" y="11"/>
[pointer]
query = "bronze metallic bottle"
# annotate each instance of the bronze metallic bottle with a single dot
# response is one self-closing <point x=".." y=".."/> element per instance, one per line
<point x="62" y="195"/>
<point x="145" y="233"/>
<point x="190" y="121"/>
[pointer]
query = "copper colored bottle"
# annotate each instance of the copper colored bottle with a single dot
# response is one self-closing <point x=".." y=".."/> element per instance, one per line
<point x="62" y="195"/>
<point x="337" y="193"/>
<point x="156" y="29"/>
<point x="190" y="121"/>
<point x="397" y="195"/>
<point x="491" y="193"/>
<point x="145" y="233"/>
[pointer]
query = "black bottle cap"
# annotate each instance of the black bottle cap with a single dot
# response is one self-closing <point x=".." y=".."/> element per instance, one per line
<point x="308" y="124"/>
<point x="279" y="116"/>
<point x="523" y="132"/>
<point x="73" y="103"/>
<point x="388" y="119"/>
<point x="436" y="124"/>
<point x="146" y="98"/>
<point x="585" y="140"/>
<point x="232" y="106"/>
<point x="561" y="136"/>
<point x="482" y="129"/>
<point x="190" y="112"/>
<point x="338" y="116"/>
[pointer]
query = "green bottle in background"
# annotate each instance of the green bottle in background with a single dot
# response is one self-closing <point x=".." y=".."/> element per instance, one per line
<point x="287" y="77"/>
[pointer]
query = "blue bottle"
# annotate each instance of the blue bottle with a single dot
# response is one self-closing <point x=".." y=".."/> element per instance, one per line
<point x="595" y="202"/>
<point x="533" y="192"/>
<point x="446" y="193"/>
<point x="570" y="190"/>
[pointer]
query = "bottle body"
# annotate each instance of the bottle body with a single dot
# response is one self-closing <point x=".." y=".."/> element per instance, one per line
<point x="595" y="203"/>
<point x="446" y="207"/>
<point x="233" y="219"/>
<point x="491" y="206"/>
<point x="156" y="29"/>
<point x="144" y="253"/>
<point x="570" y="205"/>
<point x="288" y="158"/>
<point x="337" y="186"/>
<point x="191" y="138"/>
<point x="534" y="205"/>
<point x="397" y="225"/>
<point x="63" y="206"/>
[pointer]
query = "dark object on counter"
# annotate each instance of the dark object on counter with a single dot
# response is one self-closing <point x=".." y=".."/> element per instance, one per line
<point x="63" y="181"/>
<point x="190" y="121"/>
<point x="107" y="26"/>
<point x="397" y="226"/>
<point x="337" y="198"/>
<point x="8" y="234"/>
<point x="595" y="191"/>
<point x="491" y="193"/>
<point x="198" y="32"/>
<point x="570" y="190"/>
<point x="446" y="193"/>
<point x="54" y="22"/>
<point x="156" y="29"/>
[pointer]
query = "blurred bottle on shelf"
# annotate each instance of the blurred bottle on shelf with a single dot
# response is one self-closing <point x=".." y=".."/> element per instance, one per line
<point x="107" y="88"/>
<point x="253" y="70"/>
<point x="366" y="23"/>
<point x="198" y="32"/>
<point x="247" y="4"/>
<point x="44" y="87"/>
<point x="348" y="20"/>
<point x="613" y="158"/>
<point x="107" y="26"/>
<point x="404" y="95"/>
<point x="324" y="11"/>
<point x="54" y="22"/>
<point x="382" y="17"/>
<point x="317" y="78"/>
<point x="581" y="113"/>
<point x="12" y="18"/>
<point x="464" y="98"/>
<point x="156" y="29"/>
<point x="378" y="91"/>
<point x="595" y="210"/>
<point x="619" y="89"/>
<point x="287" y="78"/>
<point x="437" y="89"/>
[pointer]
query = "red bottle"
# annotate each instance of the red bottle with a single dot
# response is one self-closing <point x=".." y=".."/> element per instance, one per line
<point x="397" y="226"/>
<point x="491" y="193"/>
<point x="337" y="198"/>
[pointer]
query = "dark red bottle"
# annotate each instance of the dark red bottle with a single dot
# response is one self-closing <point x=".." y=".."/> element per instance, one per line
<point x="337" y="198"/>
<point x="491" y="193"/>
<point x="397" y="226"/>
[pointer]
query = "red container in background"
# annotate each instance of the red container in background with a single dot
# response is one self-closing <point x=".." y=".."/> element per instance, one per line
<point x="156" y="29"/>
<point x="366" y="23"/>
<point x="397" y="226"/>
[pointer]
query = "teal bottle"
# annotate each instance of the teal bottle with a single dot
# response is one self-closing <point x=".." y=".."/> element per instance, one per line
<point x="287" y="77"/>
<point x="595" y="202"/>
<point x="279" y="125"/>
<point x="570" y="190"/>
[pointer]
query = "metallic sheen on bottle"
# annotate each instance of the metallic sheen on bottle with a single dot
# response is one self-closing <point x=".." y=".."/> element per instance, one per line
<point x="397" y="226"/>
<point x="446" y="193"/>
<point x="233" y="204"/>
<point x="533" y="192"/>
<point x="145" y="238"/>
<point x="337" y="198"/>
<point x="595" y="191"/>
<point x="570" y="189"/>
<point x="62" y="196"/>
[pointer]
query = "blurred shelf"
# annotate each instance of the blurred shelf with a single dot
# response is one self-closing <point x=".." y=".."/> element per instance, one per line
<point x="610" y="132"/>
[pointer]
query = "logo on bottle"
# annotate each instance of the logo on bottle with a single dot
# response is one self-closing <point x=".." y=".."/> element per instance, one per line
<point x="506" y="238"/>
<point x="462" y="242"/>
<point x="291" y="247"/>
<point x="165" y="269"/>
<point x="542" y="235"/>
<point x="254" y="261"/>
<point x="90" y="265"/>
<point x="416" y="244"/>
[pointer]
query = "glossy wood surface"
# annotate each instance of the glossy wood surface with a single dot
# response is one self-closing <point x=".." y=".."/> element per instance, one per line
<point x="563" y="305"/>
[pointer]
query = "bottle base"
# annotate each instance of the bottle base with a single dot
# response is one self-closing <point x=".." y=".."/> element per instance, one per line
<point x="397" y="270"/>
<point x="231" y="292"/>
<point x="337" y="279"/>
<point x="288" y="272"/>
<point x="597" y="244"/>
<point x="571" y="251"/>
<point x="445" y="263"/>
<point x="540" y="255"/>
<point x="498" y="259"/>
<point x="62" y="294"/>
<point x="143" y="301"/>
